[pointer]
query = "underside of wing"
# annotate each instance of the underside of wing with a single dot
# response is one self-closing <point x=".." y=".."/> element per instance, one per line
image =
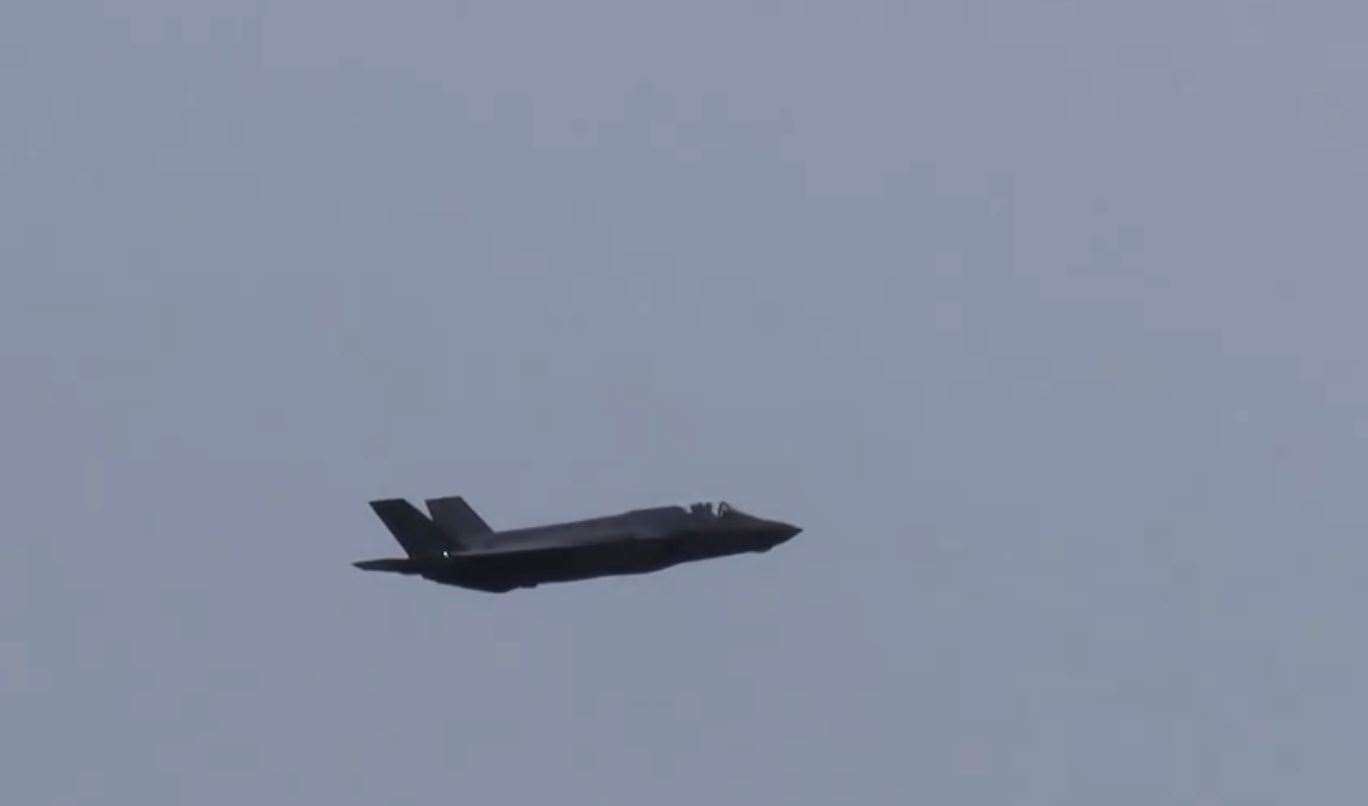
<point x="525" y="566"/>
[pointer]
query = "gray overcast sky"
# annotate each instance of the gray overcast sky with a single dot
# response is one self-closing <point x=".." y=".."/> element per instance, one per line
<point x="1043" y="318"/>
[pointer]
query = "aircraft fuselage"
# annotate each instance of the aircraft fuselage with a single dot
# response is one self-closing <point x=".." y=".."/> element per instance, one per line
<point x="631" y="543"/>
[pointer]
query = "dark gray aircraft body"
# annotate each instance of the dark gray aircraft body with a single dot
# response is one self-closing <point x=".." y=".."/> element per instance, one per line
<point x="456" y="547"/>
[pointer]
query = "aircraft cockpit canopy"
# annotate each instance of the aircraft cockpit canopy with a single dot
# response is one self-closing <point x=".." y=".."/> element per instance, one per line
<point x="705" y="509"/>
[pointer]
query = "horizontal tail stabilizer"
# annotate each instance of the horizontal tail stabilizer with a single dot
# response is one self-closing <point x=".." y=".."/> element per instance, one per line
<point x="398" y="566"/>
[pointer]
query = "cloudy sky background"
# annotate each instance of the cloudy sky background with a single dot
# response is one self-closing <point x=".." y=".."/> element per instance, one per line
<point x="1044" y="319"/>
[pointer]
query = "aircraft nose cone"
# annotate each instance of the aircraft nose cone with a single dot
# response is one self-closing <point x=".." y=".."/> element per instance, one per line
<point x="785" y="531"/>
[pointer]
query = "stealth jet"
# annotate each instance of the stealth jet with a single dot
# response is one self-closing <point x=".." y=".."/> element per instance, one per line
<point x="456" y="547"/>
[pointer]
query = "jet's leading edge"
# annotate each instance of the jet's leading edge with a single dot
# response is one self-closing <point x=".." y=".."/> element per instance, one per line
<point x="456" y="547"/>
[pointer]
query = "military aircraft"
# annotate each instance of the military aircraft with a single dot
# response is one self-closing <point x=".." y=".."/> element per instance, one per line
<point x="456" y="547"/>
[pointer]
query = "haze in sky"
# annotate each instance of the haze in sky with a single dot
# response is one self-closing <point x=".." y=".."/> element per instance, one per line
<point x="1043" y="319"/>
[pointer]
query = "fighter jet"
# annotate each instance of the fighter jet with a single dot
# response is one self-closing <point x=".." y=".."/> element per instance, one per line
<point x="456" y="547"/>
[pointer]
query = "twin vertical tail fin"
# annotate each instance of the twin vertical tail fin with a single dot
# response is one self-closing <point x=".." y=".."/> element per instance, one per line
<point x="456" y="517"/>
<point x="419" y="536"/>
